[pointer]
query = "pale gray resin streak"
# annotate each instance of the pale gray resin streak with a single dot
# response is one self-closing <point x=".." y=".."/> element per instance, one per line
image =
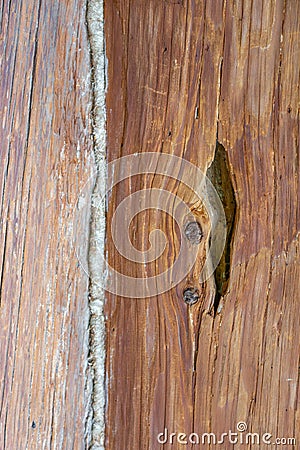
<point x="95" y="22"/>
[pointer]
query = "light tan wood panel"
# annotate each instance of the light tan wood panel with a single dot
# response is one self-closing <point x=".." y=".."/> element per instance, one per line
<point x="46" y="158"/>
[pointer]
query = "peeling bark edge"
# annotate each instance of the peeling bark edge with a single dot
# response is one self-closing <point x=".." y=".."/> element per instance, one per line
<point x="95" y="25"/>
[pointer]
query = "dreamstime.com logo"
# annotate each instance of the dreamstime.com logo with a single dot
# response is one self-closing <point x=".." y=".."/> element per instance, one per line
<point x="166" y="167"/>
<point x="238" y="437"/>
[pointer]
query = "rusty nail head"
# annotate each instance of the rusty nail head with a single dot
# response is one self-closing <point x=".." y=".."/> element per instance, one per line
<point x="191" y="295"/>
<point x="193" y="232"/>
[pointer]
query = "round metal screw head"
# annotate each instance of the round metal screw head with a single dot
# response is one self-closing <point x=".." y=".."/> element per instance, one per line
<point x="191" y="295"/>
<point x="193" y="232"/>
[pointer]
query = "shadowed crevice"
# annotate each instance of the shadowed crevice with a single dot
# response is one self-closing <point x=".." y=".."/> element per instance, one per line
<point x="219" y="174"/>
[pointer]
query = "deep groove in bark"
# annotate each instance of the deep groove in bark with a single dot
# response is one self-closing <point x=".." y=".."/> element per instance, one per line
<point x="219" y="174"/>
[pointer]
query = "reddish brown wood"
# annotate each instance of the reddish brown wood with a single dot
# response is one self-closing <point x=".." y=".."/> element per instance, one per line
<point x="179" y="72"/>
<point x="238" y="64"/>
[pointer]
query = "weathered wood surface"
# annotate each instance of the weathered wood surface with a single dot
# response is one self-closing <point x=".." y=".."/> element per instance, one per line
<point x="179" y="367"/>
<point x="46" y="158"/>
<point x="179" y="73"/>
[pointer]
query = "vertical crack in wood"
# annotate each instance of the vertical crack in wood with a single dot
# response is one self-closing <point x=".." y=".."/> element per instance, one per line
<point x="219" y="174"/>
<point x="95" y="424"/>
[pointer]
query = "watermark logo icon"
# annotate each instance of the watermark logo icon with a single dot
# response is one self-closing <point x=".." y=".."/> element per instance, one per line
<point x="239" y="437"/>
<point x="201" y="192"/>
<point x="241" y="426"/>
